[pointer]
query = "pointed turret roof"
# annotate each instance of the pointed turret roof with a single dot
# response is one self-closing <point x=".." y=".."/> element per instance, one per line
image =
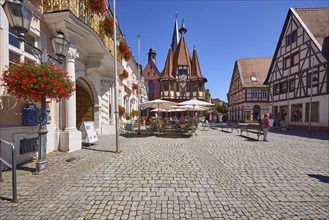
<point x="167" y="70"/>
<point x="195" y="69"/>
<point x="181" y="56"/>
<point x="175" y="37"/>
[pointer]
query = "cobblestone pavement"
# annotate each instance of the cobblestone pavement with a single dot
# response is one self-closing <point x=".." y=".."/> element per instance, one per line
<point x="214" y="175"/>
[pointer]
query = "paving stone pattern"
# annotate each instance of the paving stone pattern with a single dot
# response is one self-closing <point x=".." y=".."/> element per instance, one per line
<point x="214" y="175"/>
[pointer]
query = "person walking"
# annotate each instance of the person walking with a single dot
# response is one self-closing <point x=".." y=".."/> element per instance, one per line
<point x="266" y="126"/>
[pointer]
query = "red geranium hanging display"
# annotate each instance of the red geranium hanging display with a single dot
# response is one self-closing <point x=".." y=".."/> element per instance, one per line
<point x="33" y="81"/>
<point x="124" y="50"/>
<point x="108" y="26"/>
<point x="96" y="6"/>
<point x="125" y="74"/>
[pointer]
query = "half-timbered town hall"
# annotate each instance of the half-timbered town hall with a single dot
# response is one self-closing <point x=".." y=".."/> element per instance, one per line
<point x="181" y="78"/>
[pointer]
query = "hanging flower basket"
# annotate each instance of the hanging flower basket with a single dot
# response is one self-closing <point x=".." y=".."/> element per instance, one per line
<point x="124" y="50"/>
<point x="32" y="81"/>
<point x="108" y="26"/>
<point x="96" y="6"/>
<point x="124" y="74"/>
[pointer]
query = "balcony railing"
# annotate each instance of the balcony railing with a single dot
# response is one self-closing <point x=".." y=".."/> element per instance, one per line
<point x="78" y="8"/>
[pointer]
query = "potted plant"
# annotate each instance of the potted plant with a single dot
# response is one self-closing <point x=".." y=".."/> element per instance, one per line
<point x="33" y="82"/>
<point x="124" y="50"/>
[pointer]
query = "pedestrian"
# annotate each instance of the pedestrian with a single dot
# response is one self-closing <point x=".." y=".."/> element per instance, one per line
<point x="266" y="126"/>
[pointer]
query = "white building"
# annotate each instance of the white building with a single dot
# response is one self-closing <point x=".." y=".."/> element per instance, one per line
<point x="90" y="62"/>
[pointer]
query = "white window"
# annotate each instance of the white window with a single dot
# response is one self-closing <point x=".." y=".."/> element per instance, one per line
<point x="20" y="51"/>
<point x="253" y="78"/>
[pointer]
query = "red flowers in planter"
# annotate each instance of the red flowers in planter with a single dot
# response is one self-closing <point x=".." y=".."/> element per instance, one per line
<point x="32" y="81"/>
<point x="135" y="86"/>
<point x="96" y="6"/>
<point x="108" y="26"/>
<point x="124" y="50"/>
<point x="122" y="110"/>
<point x="125" y="74"/>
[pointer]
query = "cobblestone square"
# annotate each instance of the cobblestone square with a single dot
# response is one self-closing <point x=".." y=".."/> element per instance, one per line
<point x="211" y="175"/>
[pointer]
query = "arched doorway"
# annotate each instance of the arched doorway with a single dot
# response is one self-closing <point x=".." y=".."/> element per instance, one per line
<point x="256" y="112"/>
<point x="84" y="106"/>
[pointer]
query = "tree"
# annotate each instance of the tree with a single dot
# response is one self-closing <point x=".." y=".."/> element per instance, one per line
<point x="207" y="95"/>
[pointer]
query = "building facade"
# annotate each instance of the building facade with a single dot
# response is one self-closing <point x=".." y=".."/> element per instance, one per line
<point x="181" y="78"/>
<point x="298" y="74"/>
<point x="90" y="63"/>
<point x="151" y="76"/>
<point x="247" y="96"/>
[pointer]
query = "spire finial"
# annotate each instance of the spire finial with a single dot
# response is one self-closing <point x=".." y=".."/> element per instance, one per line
<point x="176" y="14"/>
<point x="182" y="30"/>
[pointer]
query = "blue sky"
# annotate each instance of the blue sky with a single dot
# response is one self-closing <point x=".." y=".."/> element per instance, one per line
<point x="222" y="31"/>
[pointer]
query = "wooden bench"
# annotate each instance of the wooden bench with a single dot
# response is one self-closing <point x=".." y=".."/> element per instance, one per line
<point x="229" y="125"/>
<point x="252" y="128"/>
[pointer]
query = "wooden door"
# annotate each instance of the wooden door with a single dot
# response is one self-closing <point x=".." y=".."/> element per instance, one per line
<point x="84" y="105"/>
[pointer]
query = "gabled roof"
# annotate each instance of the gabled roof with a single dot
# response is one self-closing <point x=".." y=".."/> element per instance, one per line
<point x="253" y="67"/>
<point x="195" y="69"/>
<point x="315" y="22"/>
<point x="181" y="56"/>
<point x="166" y="73"/>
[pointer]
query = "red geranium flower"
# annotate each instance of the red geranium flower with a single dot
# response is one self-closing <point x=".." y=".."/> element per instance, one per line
<point x="96" y="6"/>
<point x="124" y="50"/>
<point x="32" y="81"/>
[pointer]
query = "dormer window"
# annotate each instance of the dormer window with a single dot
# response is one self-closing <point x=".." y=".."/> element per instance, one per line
<point x="253" y="78"/>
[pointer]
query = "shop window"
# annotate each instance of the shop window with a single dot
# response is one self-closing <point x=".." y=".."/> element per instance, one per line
<point x="297" y="112"/>
<point x="314" y="112"/>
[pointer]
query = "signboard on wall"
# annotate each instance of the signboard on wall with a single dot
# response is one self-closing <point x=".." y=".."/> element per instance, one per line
<point x="89" y="134"/>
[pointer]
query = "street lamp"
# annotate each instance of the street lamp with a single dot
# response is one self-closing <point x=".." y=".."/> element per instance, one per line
<point x="20" y="19"/>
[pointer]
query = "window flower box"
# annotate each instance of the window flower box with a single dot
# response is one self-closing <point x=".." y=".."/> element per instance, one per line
<point x="124" y="50"/>
<point x="124" y="74"/>
<point x="96" y="6"/>
<point x="108" y="26"/>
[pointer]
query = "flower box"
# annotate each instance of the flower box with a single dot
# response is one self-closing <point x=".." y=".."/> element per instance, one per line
<point x="124" y="50"/>
<point x="96" y="6"/>
<point x="108" y="26"/>
<point x="124" y="74"/>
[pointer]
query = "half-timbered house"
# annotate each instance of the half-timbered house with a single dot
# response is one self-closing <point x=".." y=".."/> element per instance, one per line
<point x="247" y="96"/>
<point x="298" y="74"/>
